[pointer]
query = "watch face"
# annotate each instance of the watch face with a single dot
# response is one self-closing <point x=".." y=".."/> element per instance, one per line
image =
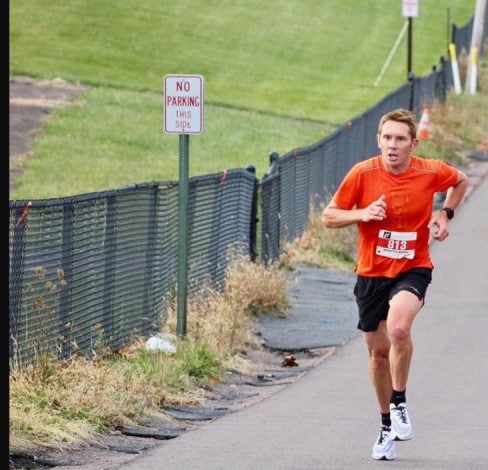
<point x="449" y="212"/>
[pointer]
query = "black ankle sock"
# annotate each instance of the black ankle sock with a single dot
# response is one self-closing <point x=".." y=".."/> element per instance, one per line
<point x="397" y="397"/>
<point x="385" y="419"/>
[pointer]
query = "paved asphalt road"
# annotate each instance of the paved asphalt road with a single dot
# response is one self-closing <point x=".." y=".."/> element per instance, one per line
<point x="328" y="419"/>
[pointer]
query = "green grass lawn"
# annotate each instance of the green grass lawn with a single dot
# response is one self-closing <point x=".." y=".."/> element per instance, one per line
<point x="278" y="75"/>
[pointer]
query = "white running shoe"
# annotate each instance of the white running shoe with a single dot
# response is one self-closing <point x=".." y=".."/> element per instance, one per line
<point x="384" y="447"/>
<point x="400" y="422"/>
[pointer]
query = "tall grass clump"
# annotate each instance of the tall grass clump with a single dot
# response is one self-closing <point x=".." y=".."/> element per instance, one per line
<point x="74" y="401"/>
<point x="224" y="319"/>
<point x="459" y="124"/>
<point x="322" y="247"/>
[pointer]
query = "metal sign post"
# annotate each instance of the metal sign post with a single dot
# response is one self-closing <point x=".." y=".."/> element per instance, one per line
<point x="183" y="115"/>
<point x="409" y="48"/>
<point x="410" y="9"/>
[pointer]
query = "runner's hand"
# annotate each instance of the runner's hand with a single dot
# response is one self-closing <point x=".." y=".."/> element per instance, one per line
<point x="376" y="210"/>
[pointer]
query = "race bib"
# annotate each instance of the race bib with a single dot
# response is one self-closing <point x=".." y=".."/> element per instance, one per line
<point x="396" y="245"/>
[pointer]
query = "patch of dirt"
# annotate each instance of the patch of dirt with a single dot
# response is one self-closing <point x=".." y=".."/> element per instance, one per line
<point x="29" y="104"/>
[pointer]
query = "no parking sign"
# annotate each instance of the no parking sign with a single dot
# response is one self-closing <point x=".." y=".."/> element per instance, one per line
<point x="410" y="8"/>
<point x="183" y="104"/>
<point x="183" y="114"/>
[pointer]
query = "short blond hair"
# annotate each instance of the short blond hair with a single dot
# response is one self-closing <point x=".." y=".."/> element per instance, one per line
<point x="401" y="115"/>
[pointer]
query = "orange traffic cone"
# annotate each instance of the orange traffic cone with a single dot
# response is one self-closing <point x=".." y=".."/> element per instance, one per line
<point x="423" y="130"/>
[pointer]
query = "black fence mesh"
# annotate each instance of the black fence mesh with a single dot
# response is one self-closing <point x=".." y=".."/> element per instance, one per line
<point x="102" y="267"/>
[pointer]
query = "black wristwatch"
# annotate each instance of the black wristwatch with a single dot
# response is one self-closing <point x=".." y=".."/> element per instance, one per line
<point x="449" y="212"/>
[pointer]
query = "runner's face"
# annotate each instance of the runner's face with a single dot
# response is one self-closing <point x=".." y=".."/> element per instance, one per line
<point x="396" y="146"/>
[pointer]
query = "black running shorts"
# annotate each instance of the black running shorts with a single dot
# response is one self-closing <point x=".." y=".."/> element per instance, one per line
<point x="373" y="294"/>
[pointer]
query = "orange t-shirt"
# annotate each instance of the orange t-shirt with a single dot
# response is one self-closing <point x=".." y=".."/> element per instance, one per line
<point x="401" y="241"/>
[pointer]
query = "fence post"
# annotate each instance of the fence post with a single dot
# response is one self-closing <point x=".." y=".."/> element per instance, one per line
<point x="411" y="81"/>
<point x="273" y="158"/>
<point x="442" y="63"/>
<point x="254" y="216"/>
<point x="16" y="276"/>
<point x="267" y="244"/>
<point x="64" y="296"/>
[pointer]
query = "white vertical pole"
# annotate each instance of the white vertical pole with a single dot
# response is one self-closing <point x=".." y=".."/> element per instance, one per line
<point x="476" y="37"/>
<point x="455" y="69"/>
<point x="474" y="71"/>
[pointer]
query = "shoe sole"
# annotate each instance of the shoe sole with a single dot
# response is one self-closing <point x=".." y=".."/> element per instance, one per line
<point x="389" y="455"/>
<point x="398" y="438"/>
<point x="383" y="457"/>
